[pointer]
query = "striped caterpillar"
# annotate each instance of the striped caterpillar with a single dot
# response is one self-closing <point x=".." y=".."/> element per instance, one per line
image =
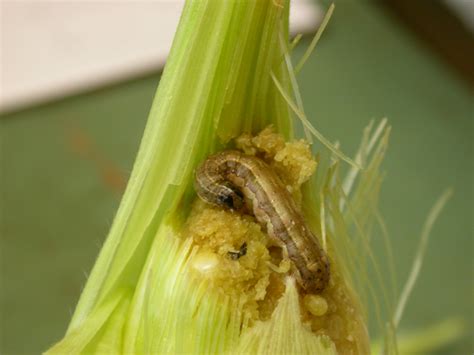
<point x="234" y="180"/>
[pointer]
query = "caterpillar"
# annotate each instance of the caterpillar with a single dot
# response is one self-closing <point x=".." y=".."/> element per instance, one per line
<point x="236" y="181"/>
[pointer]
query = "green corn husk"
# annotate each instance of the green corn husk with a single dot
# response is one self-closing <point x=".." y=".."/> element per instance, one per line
<point x="228" y="72"/>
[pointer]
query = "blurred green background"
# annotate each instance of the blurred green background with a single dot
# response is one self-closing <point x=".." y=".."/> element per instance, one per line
<point x="64" y="165"/>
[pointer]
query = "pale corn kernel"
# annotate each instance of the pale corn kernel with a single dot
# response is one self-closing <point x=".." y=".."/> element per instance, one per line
<point x="205" y="262"/>
<point x="285" y="265"/>
<point x="316" y="304"/>
<point x="282" y="268"/>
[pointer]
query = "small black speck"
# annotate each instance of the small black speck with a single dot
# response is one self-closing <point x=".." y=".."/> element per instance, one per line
<point x="234" y="255"/>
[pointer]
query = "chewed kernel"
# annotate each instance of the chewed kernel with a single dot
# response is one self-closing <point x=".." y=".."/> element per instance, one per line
<point x="316" y="304"/>
<point x="205" y="262"/>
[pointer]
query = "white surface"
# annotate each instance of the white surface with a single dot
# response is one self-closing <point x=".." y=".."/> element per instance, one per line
<point x="51" y="49"/>
<point x="464" y="9"/>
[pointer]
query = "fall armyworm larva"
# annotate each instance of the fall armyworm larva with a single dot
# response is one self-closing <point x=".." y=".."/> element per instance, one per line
<point x="235" y="180"/>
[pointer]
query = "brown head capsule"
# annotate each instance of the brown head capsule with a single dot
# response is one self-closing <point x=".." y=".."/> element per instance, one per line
<point x="234" y="180"/>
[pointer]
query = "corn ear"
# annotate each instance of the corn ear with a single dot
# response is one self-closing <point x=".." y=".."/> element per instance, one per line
<point x="226" y="74"/>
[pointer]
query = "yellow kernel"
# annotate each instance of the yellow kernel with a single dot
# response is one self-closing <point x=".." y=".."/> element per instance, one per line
<point x="316" y="304"/>
<point x="205" y="262"/>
